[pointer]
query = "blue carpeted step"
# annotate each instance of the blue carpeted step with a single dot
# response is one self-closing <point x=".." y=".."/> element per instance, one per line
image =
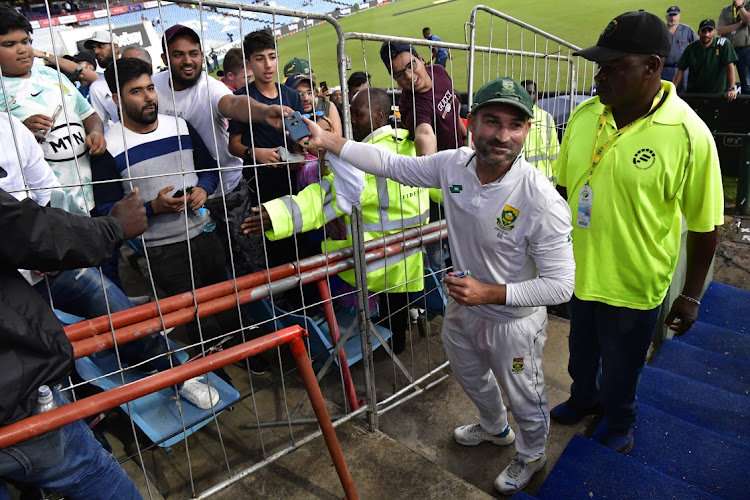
<point x="521" y="495"/>
<point x="697" y="456"/>
<point x="588" y="470"/>
<point x="718" y="370"/>
<point x="726" y="306"/>
<point x="723" y="412"/>
<point x="718" y="339"/>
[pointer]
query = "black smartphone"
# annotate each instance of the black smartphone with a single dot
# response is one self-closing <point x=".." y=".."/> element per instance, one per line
<point x="323" y="87"/>
<point x="180" y="193"/>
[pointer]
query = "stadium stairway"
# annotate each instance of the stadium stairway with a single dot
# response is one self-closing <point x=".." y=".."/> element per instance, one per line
<point x="693" y="435"/>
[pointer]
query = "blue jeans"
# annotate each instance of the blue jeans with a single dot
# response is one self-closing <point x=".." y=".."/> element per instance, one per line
<point x="80" y="292"/>
<point x="436" y="257"/>
<point x="608" y="347"/>
<point x="743" y="68"/>
<point x="442" y="61"/>
<point x="69" y="460"/>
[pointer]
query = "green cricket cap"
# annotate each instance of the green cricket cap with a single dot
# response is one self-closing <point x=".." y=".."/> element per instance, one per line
<point x="504" y="91"/>
<point x="297" y="65"/>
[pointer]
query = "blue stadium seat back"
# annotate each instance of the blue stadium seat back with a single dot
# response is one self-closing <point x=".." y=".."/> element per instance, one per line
<point x="67" y="319"/>
<point x="137" y="245"/>
<point x="157" y="414"/>
<point x="320" y="335"/>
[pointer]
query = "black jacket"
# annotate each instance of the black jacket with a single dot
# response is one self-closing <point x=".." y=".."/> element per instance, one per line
<point x="33" y="347"/>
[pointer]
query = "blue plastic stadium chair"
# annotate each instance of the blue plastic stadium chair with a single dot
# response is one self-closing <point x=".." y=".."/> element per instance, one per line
<point x="320" y="336"/>
<point x="156" y="414"/>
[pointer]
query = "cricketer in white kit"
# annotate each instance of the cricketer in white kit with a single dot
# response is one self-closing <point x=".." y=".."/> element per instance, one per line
<point x="509" y="227"/>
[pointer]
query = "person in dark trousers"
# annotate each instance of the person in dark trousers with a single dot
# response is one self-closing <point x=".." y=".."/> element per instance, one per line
<point x="34" y="350"/>
<point x="635" y="164"/>
<point x="175" y="171"/>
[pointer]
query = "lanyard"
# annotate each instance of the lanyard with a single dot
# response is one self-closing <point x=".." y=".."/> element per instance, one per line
<point x="599" y="150"/>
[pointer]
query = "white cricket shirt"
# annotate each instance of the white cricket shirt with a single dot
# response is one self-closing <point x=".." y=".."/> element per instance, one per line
<point x="515" y="231"/>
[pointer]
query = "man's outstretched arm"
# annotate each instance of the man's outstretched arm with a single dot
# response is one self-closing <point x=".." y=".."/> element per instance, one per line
<point x="419" y="172"/>
<point x="234" y="107"/>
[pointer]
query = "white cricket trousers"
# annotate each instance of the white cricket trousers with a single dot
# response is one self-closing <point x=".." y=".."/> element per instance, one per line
<point x="478" y="347"/>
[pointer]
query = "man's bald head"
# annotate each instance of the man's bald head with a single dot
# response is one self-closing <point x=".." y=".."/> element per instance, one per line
<point x="370" y="109"/>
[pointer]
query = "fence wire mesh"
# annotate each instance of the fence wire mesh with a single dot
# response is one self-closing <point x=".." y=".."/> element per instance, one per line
<point x="209" y="285"/>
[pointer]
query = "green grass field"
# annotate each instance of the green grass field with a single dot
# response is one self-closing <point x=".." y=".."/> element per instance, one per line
<point x="576" y="21"/>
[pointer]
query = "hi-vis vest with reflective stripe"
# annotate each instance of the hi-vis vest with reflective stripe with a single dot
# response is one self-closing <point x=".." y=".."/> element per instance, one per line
<point x="541" y="145"/>
<point x="387" y="207"/>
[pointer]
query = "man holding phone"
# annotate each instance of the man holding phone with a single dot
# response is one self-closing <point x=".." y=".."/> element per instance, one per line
<point x="180" y="235"/>
<point x="305" y="85"/>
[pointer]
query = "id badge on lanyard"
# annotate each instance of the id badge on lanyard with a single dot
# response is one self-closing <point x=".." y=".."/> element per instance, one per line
<point x="585" y="204"/>
<point x="586" y="194"/>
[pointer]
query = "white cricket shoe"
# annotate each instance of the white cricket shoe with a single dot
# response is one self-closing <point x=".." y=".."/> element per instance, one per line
<point x="518" y="474"/>
<point x="198" y="393"/>
<point x="473" y="435"/>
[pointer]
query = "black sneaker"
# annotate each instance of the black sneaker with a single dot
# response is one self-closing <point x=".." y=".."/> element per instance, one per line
<point x="257" y="365"/>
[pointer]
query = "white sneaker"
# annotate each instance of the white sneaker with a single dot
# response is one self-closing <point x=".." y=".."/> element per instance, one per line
<point x="473" y="435"/>
<point x="198" y="393"/>
<point x="518" y="474"/>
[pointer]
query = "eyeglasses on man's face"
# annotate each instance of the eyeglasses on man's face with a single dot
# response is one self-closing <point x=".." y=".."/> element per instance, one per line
<point x="399" y="75"/>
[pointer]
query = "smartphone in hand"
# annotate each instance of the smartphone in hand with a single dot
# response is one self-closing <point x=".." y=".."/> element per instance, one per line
<point x="296" y="127"/>
<point x="54" y="117"/>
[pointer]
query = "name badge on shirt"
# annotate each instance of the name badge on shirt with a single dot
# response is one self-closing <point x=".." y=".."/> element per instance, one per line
<point x="585" y="202"/>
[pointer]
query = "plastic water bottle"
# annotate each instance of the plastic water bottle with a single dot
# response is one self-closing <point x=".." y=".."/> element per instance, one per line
<point x="45" y="401"/>
<point x="211" y="224"/>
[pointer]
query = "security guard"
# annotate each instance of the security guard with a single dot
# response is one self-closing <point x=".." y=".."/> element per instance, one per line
<point x="387" y="207"/>
<point x="541" y="145"/>
<point x="634" y="161"/>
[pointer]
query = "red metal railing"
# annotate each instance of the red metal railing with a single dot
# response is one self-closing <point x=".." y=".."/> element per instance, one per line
<point x="91" y="336"/>
<point x="45" y="422"/>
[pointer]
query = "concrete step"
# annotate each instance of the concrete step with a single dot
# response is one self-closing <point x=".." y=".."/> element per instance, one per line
<point x="380" y="467"/>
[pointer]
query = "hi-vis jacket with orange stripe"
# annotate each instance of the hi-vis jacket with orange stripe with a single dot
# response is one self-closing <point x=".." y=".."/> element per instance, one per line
<point x="387" y="207"/>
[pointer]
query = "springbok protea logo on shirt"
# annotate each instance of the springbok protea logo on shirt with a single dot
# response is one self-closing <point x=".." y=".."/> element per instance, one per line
<point x="456" y="188"/>
<point x="517" y="365"/>
<point x="506" y="220"/>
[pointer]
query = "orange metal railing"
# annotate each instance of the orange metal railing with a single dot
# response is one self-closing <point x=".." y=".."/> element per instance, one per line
<point x="45" y="422"/>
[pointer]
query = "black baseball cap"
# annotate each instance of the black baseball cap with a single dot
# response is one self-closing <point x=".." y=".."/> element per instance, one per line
<point x="707" y="23"/>
<point x="673" y="10"/>
<point x="389" y="50"/>
<point x="85" y="56"/>
<point x="636" y="32"/>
